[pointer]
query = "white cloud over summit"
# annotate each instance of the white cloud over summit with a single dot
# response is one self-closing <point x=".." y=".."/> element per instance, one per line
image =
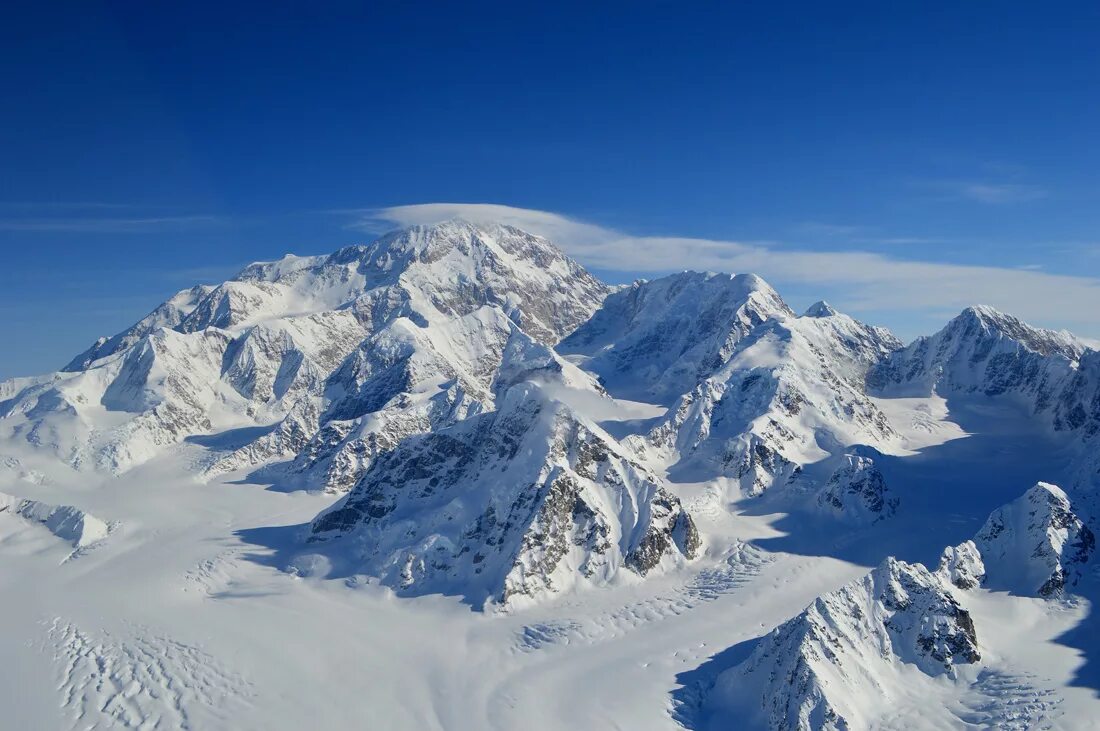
<point x="857" y="281"/>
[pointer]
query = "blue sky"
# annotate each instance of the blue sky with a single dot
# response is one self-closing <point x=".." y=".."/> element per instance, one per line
<point x="895" y="158"/>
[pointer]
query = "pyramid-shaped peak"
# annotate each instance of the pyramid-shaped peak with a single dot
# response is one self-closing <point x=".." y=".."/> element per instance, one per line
<point x="821" y="308"/>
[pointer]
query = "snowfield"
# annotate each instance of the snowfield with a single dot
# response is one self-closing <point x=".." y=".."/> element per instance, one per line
<point x="451" y="481"/>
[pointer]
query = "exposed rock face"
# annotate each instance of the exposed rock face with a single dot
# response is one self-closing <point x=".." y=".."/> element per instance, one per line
<point x="791" y="393"/>
<point x="962" y="565"/>
<point x="857" y="492"/>
<point x="506" y="507"/>
<point x="1078" y="405"/>
<point x="1035" y="545"/>
<point x="826" y="668"/>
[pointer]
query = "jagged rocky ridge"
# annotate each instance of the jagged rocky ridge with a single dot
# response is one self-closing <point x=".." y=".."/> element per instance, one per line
<point x="507" y="506"/>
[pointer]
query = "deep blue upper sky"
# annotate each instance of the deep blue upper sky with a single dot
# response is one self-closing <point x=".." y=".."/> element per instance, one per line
<point x="148" y="146"/>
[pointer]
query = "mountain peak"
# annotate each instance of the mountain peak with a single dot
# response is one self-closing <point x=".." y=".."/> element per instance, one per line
<point x="507" y="506"/>
<point x="657" y="339"/>
<point x="980" y="321"/>
<point x="821" y="308"/>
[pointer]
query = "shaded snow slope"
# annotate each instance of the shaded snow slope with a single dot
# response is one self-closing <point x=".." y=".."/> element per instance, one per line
<point x="66" y="522"/>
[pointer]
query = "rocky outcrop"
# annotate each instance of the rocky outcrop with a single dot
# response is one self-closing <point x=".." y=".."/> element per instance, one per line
<point x="857" y="492"/>
<point x="962" y="566"/>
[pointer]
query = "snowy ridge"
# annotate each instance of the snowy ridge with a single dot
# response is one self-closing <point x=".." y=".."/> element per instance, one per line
<point x="790" y="394"/>
<point x="982" y="351"/>
<point x="169" y="315"/>
<point x="403" y="380"/>
<point x="658" y="339"/>
<point x="66" y="522"/>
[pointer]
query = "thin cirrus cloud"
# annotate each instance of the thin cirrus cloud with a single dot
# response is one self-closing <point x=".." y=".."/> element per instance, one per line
<point x="107" y="224"/>
<point x="987" y="192"/>
<point x="858" y="281"/>
<point x="96" y="217"/>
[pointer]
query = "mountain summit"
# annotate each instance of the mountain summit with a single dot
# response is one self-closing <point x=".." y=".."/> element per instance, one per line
<point x="266" y="344"/>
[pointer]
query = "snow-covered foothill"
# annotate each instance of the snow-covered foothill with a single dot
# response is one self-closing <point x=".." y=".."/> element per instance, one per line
<point x="66" y="522"/>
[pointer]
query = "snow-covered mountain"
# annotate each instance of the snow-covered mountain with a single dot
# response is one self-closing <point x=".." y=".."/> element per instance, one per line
<point x="840" y="662"/>
<point x="522" y="501"/>
<point x="790" y="393"/>
<point x="1035" y="545"/>
<point x="982" y="351"/>
<point x="303" y="339"/>
<point x="627" y="478"/>
<point x="656" y="340"/>
<point x="856" y="651"/>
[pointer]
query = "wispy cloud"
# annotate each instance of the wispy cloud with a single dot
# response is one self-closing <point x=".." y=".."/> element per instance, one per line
<point x="984" y="191"/>
<point x="861" y="280"/>
<point x="857" y="234"/>
<point x="107" y="224"/>
<point x="64" y="205"/>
